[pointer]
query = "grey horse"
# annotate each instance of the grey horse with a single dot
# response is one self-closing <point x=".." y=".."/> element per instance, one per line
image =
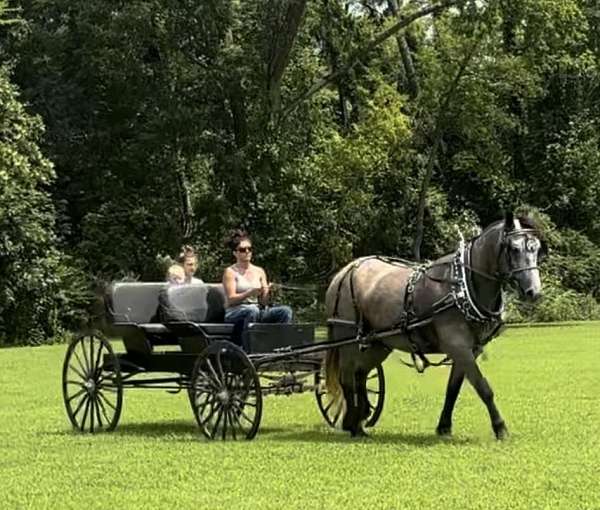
<point x="451" y="306"/>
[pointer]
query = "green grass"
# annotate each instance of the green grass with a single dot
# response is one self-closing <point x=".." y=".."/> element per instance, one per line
<point x="546" y="382"/>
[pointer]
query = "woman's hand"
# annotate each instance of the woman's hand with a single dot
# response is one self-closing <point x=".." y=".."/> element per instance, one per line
<point x="256" y="291"/>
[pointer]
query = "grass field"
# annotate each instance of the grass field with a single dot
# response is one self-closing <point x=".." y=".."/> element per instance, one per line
<point x="546" y="382"/>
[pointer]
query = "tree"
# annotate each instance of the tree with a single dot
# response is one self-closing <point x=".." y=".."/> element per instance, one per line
<point x="39" y="285"/>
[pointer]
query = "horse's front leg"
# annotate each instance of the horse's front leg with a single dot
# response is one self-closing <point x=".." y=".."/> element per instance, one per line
<point x="455" y="380"/>
<point x="484" y="390"/>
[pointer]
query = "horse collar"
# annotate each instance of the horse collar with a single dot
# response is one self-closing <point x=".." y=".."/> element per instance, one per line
<point x="463" y="297"/>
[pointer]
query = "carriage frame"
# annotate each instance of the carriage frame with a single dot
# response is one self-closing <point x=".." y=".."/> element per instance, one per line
<point x="189" y="350"/>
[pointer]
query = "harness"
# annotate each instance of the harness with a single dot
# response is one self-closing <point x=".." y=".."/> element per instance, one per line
<point x="459" y="296"/>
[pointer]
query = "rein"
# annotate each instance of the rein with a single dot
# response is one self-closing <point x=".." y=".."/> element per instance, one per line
<point x="460" y="295"/>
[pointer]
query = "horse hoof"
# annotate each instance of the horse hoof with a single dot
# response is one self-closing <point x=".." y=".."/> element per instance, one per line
<point x="359" y="433"/>
<point x="443" y="430"/>
<point x="501" y="431"/>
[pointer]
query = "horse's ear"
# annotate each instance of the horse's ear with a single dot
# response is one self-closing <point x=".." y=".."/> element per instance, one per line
<point x="543" y="253"/>
<point x="509" y="221"/>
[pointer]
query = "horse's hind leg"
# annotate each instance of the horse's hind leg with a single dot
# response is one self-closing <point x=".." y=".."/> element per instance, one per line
<point x="352" y="421"/>
<point x="363" y="408"/>
<point x="455" y="380"/>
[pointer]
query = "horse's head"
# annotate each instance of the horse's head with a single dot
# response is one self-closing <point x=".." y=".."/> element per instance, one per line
<point x="521" y="250"/>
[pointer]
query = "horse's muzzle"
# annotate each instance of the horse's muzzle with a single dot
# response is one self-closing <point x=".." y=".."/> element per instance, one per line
<point x="532" y="295"/>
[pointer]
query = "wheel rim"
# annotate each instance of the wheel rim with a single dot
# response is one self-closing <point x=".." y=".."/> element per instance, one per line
<point x="226" y="397"/>
<point x="375" y="394"/>
<point x="92" y="394"/>
<point x="332" y="410"/>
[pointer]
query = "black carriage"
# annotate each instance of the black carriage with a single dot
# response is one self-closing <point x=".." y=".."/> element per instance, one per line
<point x="175" y="340"/>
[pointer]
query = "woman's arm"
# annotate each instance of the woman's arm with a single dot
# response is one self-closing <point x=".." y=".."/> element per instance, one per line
<point x="265" y="287"/>
<point x="234" y="298"/>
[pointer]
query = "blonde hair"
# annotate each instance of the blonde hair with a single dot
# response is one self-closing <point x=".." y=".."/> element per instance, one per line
<point x="175" y="272"/>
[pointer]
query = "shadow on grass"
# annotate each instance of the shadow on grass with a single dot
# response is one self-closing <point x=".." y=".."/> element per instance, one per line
<point x="180" y="430"/>
<point x="323" y="435"/>
<point x="171" y="429"/>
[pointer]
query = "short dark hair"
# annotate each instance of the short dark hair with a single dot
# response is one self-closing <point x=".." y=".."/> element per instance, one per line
<point x="236" y="237"/>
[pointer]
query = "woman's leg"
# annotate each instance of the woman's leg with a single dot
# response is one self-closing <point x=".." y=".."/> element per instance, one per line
<point x="241" y="317"/>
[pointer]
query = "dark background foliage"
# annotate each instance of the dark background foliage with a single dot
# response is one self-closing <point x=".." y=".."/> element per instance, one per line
<point x="130" y="128"/>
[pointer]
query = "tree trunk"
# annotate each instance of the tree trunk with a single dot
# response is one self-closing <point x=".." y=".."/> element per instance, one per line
<point x="407" y="62"/>
<point x="509" y="40"/>
<point x="285" y="17"/>
<point x="185" y="200"/>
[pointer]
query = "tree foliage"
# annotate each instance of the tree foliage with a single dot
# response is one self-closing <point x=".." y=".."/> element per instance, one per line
<point x="319" y="126"/>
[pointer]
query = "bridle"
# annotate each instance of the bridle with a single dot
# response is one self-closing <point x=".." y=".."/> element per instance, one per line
<point x="505" y="276"/>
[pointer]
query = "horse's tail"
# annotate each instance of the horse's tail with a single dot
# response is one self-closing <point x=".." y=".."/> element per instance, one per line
<point x="332" y="381"/>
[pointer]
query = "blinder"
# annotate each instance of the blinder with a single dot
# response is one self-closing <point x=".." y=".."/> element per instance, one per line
<point x="532" y="243"/>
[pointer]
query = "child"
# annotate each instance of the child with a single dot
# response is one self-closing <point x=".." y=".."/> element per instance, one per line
<point x="175" y="274"/>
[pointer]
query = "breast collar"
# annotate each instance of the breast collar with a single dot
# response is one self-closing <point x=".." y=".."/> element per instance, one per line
<point x="461" y="293"/>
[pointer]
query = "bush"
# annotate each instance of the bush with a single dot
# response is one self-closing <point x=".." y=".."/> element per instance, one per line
<point x="558" y="304"/>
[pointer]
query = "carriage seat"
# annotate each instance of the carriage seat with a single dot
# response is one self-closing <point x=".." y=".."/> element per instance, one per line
<point x="153" y="306"/>
<point x="203" y="305"/>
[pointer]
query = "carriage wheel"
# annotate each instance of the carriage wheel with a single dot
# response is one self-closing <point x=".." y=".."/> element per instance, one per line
<point x="92" y="392"/>
<point x="375" y="393"/>
<point x="226" y="396"/>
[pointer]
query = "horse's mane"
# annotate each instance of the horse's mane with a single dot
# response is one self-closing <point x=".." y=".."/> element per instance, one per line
<point x="526" y="222"/>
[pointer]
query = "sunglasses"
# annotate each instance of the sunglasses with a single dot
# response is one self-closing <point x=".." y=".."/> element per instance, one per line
<point x="247" y="249"/>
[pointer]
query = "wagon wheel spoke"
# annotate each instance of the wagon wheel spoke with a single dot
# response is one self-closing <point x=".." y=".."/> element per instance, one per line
<point x="223" y="380"/>
<point x="85" y="413"/>
<point x="224" y="426"/>
<point x="80" y="374"/>
<point x="375" y="395"/>
<point x="107" y="402"/>
<point x="98" y="417"/>
<point x="216" y="379"/>
<point x="202" y="382"/>
<point x="78" y="383"/>
<point x="78" y="359"/>
<point x="97" y="365"/>
<point x="78" y="394"/>
<point x="202" y="389"/>
<point x="210" y="401"/>
<point x="101" y="405"/>
<point x="86" y="387"/>
<point x="91" y="414"/>
<point x="236" y="417"/>
<point x="87" y="362"/>
<point x="214" y="409"/>
<point x="241" y="413"/>
<point x="92" y="366"/>
<point x="215" y="427"/>
<point x="221" y="374"/>
<point x="80" y="404"/>
<point x="230" y="415"/>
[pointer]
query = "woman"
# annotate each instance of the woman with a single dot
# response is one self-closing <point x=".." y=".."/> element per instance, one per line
<point x="188" y="259"/>
<point x="246" y="287"/>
